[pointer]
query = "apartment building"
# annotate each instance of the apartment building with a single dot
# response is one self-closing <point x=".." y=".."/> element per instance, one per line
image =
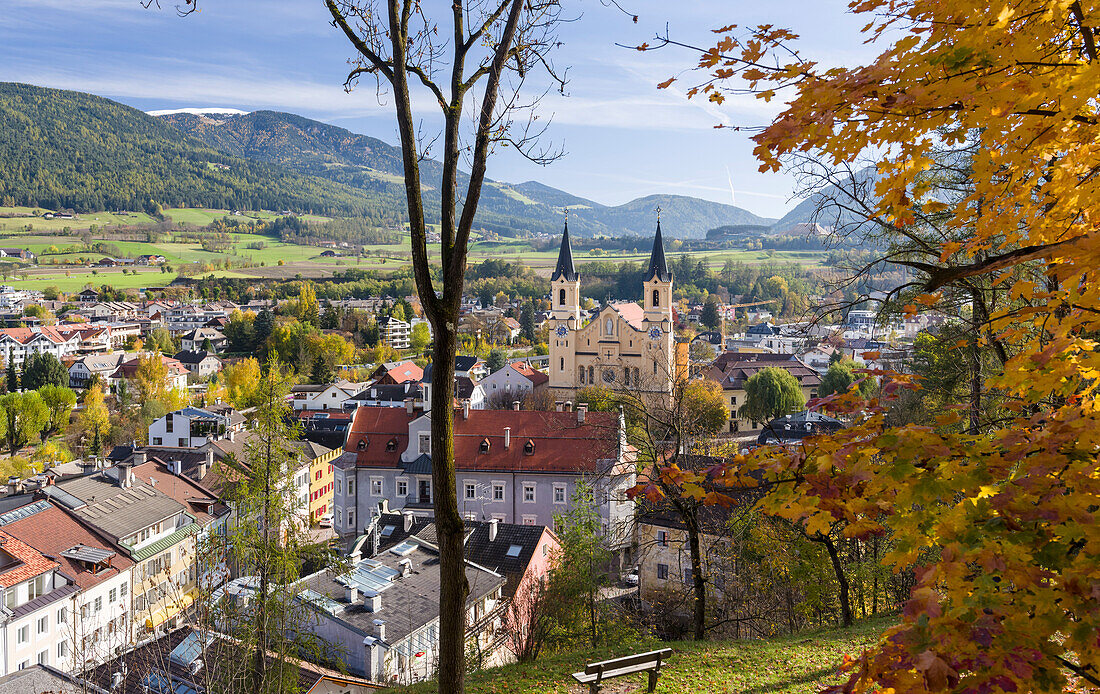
<point x="513" y="466"/>
<point x="732" y="369"/>
<point x="193" y="427"/>
<point x="93" y="624"/>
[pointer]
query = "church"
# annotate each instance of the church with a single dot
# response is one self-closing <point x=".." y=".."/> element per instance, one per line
<point x="626" y="346"/>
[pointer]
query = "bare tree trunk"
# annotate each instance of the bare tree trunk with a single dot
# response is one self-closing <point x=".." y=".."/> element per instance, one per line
<point x="842" y="580"/>
<point x="698" y="581"/>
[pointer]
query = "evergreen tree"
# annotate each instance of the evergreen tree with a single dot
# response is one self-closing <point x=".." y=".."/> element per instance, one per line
<point x="13" y="374"/>
<point x="709" y="316"/>
<point x="496" y="360"/>
<point x="527" y="321"/>
<point x="262" y="328"/>
<point x="322" y="371"/>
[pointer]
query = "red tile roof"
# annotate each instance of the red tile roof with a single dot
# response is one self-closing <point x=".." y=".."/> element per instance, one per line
<point x="31" y="562"/>
<point x="558" y="442"/>
<point x="53" y="531"/>
<point x="632" y="313"/>
<point x="536" y="377"/>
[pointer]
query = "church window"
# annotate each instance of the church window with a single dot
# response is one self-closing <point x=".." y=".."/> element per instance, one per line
<point x="636" y="377"/>
<point x="654" y="367"/>
<point x="561" y="297"/>
<point x="609" y="375"/>
<point x="562" y="368"/>
<point x="610" y="327"/>
<point x="626" y="377"/>
<point x="582" y="375"/>
<point x="591" y="375"/>
<point x="656" y="298"/>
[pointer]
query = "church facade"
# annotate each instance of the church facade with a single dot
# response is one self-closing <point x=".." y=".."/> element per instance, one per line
<point x="627" y="346"/>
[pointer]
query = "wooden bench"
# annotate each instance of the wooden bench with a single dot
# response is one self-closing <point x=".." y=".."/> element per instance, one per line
<point x="595" y="673"/>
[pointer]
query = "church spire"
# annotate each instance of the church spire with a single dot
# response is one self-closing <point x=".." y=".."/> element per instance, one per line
<point x="564" y="269"/>
<point x="658" y="268"/>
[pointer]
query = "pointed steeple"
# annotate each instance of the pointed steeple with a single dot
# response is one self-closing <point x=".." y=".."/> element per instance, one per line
<point x="564" y="269"/>
<point x="658" y="268"/>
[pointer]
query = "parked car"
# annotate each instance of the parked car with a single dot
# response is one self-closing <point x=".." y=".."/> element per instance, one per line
<point x="631" y="577"/>
<point x="325" y="521"/>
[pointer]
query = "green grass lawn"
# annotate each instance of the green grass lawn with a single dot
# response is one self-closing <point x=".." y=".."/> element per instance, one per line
<point x="803" y="663"/>
<point x="80" y="277"/>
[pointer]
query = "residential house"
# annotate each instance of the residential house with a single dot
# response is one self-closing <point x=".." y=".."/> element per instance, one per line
<point x="199" y="363"/>
<point x="175" y="373"/>
<point x="83" y="369"/>
<point x="515" y="466"/>
<point x="326" y="427"/>
<point x="512" y="382"/>
<point x="195" y="340"/>
<point x="17" y="253"/>
<point x="732" y="369"/>
<point x="192" y="427"/>
<point x="324" y="397"/>
<point x="394" y="372"/>
<point x="95" y="624"/>
<point x="151" y="259"/>
<point x="397" y="395"/>
<point x="466" y="388"/>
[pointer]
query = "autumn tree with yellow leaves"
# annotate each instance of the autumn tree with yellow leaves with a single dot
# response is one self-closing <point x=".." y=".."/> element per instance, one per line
<point x="999" y="523"/>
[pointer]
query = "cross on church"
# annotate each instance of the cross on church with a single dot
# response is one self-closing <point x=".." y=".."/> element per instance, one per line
<point x="658" y="214"/>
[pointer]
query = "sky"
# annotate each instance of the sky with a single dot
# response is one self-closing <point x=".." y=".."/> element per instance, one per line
<point x="622" y="137"/>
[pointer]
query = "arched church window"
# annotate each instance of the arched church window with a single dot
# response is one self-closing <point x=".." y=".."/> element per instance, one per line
<point x="561" y="297"/>
<point x="591" y="375"/>
<point x="609" y="375"/>
<point x="626" y="377"/>
<point x="562" y="367"/>
<point x="582" y="375"/>
<point x="656" y="298"/>
<point x="636" y="381"/>
<point x="654" y="367"/>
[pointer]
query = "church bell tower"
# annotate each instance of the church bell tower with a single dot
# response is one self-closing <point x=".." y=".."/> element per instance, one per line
<point x="565" y="316"/>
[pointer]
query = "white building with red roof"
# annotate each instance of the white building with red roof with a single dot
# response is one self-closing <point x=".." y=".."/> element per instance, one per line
<point x="512" y="382"/>
<point x="515" y="466"/>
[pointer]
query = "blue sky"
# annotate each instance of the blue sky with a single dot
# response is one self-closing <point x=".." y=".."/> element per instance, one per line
<point x="623" y="137"/>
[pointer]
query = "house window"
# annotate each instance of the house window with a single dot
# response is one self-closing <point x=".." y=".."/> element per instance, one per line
<point x="43" y="624"/>
<point x="687" y="575"/>
<point x="24" y="634"/>
<point x="425" y="443"/>
<point x="99" y="603"/>
<point x="63" y="615"/>
<point x="340" y="486"/>
<point x="662" y="538"/>
<point x="402" y="487"/>
<point x="654" y="367"/>
<point x="528" y="493"/>
<point x="157" y="440"/>
<point x="376" y="486"/>
<point x="662" y="572"/>
<point x="470" y="490"/>
<point x="561" y="367"/>
<point x="498" y="491"/>
<point x="44" y="658"/>
<point x="530" y="520"/>
<point x="559" y="493"/>
<point x="351" y="519"/>
<point x="168" y="423"/>
<point x="62" y="649"/>
<point x="351" y="486"/>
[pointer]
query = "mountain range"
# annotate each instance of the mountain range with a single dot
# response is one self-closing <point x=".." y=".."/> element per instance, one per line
<point x="71" y="149"/>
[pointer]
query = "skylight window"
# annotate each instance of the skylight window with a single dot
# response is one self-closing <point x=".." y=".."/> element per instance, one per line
<point x="387" y="530"/>
<point x="514" y="551"/>
<point x="406" y="547"/>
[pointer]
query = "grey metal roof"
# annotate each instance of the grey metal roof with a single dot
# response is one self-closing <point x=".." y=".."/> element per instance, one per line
<point x="91" y="555"/>
<point x="564" y="268"/>
<point x="421" y="466"/>
<point x="117" y="511"/>
<point x="658" y="268"/>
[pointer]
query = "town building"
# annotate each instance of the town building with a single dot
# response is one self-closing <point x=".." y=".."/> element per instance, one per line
<point x="514" y="466"/>
<point x="195" y="340"/>
<point x="395" y="332"/>
<point x="200" y="363"/>
<point x="192" y="427"/>
<point x="330" y="396"/>
<point x="732" y="369"/>
<point x="625" y="345"/>
<point x="512" y="382"/>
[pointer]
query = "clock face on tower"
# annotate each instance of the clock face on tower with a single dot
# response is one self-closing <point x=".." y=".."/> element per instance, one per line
<point x="562" y="331"/>
<point x="655" y="332"/>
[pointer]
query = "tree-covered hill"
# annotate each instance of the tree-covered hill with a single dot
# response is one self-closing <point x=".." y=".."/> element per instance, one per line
<point x="64" y="149"/>
<point x="319" y="149"/>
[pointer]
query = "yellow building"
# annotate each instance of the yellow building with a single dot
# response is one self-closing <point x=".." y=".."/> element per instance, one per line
<point x="626" y="346"/>
<point x="321" y="478"/>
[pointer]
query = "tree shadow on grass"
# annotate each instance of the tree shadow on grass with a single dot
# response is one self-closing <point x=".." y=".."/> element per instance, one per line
<point x="804" y="678"/>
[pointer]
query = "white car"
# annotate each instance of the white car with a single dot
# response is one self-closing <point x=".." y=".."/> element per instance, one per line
<point x="325" y="521"/>
<point x="631" y="577"/>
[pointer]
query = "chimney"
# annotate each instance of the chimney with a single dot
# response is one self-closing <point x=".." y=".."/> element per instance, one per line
<point x="380" y="629"/>
<point x="123" y="475"/>
<point x="384" y="506"/>
<point x="352" y="594"/>
<point x="515" y="405"/>
<point x="406" y="567"/>
<point x="372" y="600"/>
<point x="494" y="524"/>
<point x="466" y="409"/>
<point x="232" y="435"/>
<point x="409" y="406"/>
<point x="507" y="437"/>
<point x="407" y="517"/>
<point x="568" y="405"/>
<point x="139" y="457"/>
<point x="582" y="410"/>
<point x="206" y="465"/>
<point x="558" y="405"/>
